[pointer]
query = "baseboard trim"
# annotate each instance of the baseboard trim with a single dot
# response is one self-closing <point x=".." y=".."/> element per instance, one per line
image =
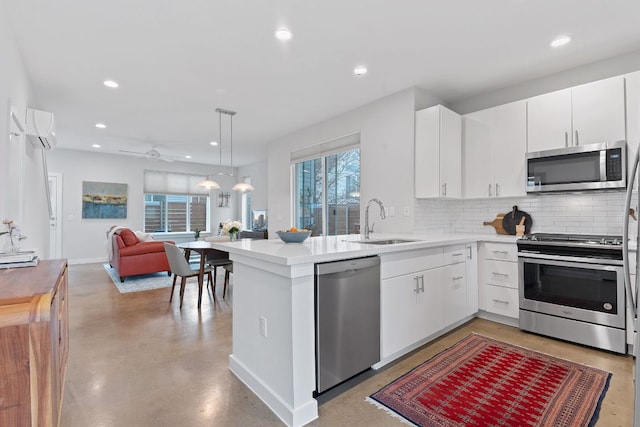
<point x="294" y="417"/>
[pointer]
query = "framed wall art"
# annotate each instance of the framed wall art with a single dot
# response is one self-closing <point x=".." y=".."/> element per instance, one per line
<point x="104" y="200"/>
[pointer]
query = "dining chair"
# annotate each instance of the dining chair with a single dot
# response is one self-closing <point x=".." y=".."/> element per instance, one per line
<point x="217" y="259"/>
<point x="180" y="267"/>
<point x="228" y="269"/>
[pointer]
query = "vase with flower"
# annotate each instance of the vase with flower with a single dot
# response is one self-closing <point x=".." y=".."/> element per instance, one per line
<point x="13" y="232"/>
<point x="231" y="229"/>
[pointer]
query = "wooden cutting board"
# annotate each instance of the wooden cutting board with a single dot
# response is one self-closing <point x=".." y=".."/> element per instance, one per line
<point x="497" y="224"/>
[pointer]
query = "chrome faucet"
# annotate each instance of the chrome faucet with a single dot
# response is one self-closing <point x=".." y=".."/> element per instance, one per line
<point x="368" y="230"/>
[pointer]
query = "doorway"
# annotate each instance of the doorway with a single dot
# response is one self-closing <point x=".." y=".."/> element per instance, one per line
<point x="55" y="223"/>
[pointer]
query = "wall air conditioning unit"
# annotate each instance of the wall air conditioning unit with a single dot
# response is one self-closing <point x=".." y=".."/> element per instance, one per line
<point x="41" y="129"/>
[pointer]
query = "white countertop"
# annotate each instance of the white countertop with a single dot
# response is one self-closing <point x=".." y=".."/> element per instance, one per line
<point x="331" y="248"/>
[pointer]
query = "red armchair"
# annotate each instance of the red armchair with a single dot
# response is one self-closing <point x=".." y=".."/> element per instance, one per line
<point x="130" y="256"/>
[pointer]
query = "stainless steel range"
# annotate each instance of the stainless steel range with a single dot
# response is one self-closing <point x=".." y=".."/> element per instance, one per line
<point x="572" y="287"/>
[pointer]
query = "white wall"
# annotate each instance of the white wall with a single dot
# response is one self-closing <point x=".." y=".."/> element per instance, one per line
<point x="386" y="131"/>
<point x="259" y="179"/>
<point x="610" y="67"/>
<point x="22" y="193"/>
<point x="83" y="240"/>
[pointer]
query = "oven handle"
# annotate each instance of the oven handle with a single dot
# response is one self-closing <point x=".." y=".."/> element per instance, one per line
<point x="569" y="261"/>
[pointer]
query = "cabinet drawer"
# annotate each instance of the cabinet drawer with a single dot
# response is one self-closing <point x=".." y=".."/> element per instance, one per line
<point x="398" y="264"/>
<point x="455" y="254"/>
<point x="500" y="300"/>
<point x="501" y="251"/>
<point x="502" y="273"/>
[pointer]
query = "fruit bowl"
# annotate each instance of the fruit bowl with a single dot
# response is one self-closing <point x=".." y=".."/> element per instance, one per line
<point x="293" y="236"/>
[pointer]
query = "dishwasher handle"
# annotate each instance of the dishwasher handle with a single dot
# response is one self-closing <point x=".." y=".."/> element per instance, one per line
<point x="347" y="265"/>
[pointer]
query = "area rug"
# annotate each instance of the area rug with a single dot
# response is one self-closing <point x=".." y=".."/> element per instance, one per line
<point x="144" y="282"/>
<point x="483" y="382"/>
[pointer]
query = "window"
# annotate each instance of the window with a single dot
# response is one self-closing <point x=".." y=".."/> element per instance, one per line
<point x="174" y="203"/>
<point x="327" y="193"/>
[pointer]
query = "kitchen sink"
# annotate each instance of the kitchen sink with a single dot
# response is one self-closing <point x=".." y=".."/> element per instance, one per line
<point x="384" y="242"/>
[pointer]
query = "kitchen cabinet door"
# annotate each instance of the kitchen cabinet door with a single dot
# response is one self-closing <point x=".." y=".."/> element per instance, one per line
<point x="455" y="293"/>
<point x="438" y="153"/>
<point x="411" y="309"/>
<point x="549" y="117"/>
<point x="598" y="111"/>
<point x="509" y="148"/>
<point x="400" y="313"/>
<point x="431" y="302"/>
<point x="478" y="154"/>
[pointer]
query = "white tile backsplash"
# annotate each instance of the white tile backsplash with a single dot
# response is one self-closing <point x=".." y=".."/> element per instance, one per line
<point x="592" y="213"/>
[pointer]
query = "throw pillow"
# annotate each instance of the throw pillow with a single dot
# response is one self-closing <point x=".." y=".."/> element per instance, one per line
<point x="129" y="237"/>
<point x="144" y="237"/>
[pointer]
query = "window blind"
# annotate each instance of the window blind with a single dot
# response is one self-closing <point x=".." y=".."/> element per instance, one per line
<point x="160" y="182"/>
<point x="333" y="146"/>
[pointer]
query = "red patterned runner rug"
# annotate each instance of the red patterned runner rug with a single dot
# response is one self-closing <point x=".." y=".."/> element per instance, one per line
<point x="483" y="382"/>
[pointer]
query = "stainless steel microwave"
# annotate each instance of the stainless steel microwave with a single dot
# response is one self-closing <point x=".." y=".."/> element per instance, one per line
<point x="587" y="167"/>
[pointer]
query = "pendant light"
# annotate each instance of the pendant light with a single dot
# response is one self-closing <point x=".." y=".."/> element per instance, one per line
<point x="208" y="183"/>
<point x="243" y="186"/>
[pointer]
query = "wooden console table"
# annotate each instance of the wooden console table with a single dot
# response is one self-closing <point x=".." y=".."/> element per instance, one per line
<point x="34" y="343"/>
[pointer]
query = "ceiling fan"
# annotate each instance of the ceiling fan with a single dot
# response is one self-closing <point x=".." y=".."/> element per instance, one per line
<point x="151" y="154"/>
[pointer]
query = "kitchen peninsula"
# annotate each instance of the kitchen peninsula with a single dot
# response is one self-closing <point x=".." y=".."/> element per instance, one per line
<point x="273" y="305"/>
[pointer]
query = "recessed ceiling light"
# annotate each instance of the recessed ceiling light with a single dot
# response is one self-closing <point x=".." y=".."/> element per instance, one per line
<point x="111" y="84"/>
<point x="101" y="125"/>
<point x="360" y="70"/>
<point x="187" y="156"/>
<point x="213" y="143"/>
<point x="283" y="34"/>
<point x="95" y="145"/>
<point x="560" y="41"/>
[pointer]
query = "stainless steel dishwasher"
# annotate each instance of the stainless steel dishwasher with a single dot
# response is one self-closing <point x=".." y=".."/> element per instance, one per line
<point x="347" y="310"/>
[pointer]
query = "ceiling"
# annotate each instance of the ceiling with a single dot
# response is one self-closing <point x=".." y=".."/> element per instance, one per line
<point x="177" y="61"/>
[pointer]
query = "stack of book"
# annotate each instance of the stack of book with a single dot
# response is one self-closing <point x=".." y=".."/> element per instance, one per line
<point x="18" y="259"/>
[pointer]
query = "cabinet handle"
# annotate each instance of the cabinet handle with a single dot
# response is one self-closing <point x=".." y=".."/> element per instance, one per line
<point x="457" y="254"/>
<point x="577" y="142"/>
<point x="500" y="274"/>
<point x="470" y="252"/>
<point x="497" y="189"/>
<point x="566" y="139"/>
<point x="422" y="282"/>
<point x="500" y="252"/>
<point x="444" y="189"/>
<point x="489" y="190"/>
<point x="501" y="301"/>
<point x="457" y="277"/>
<point x="417" y="289"/>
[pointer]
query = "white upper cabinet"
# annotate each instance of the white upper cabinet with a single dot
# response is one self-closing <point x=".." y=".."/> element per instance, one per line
<point x="585" y="114"/>
<point x="549" y="120"/>
<point x="633" y="115"/>
<point x="494" y="148"/>
<point x="478" y="154"/>
<point x="438" y="153"/>
<point x="509" y="148"/>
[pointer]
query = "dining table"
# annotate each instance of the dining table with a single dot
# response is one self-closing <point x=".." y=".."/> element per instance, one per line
<point x="206" y="250"/>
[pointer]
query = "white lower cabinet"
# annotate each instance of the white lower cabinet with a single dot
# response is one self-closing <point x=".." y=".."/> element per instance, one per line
<point x="412" y="309"/>
<point x="423" y="292"/>
<point x="499" y="279"/>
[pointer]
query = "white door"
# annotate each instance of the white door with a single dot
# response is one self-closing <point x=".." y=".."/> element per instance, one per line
<point x="55" y="231"/>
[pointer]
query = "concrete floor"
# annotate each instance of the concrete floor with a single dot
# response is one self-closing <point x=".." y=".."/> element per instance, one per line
<point x="136" y="360"/>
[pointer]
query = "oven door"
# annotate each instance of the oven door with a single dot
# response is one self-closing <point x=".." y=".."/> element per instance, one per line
<point x="575" y="290"/>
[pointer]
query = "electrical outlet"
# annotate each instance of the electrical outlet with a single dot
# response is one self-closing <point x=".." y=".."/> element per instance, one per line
<point x="406" y="211"/>
<point x="392" y="211"/>
<point x="263" y="326"/>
